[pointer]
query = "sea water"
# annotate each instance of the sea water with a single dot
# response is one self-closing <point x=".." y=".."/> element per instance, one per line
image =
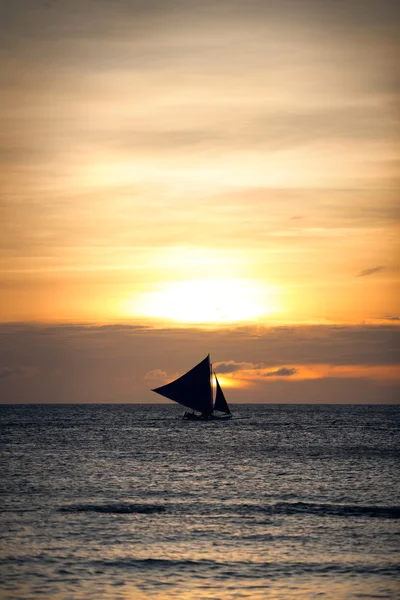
<point x="131" y="502"/>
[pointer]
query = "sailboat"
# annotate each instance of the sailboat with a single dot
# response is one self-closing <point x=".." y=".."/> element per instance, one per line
<point x="194" y="390"/>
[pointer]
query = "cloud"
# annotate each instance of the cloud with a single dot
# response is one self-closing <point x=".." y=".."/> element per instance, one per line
<point x="156" y="374"/>
<point x="253" y="369"/>
<point x="8" y="371"/>
<point x="233" y="367"/>
<point x="370" y="271"/>
<point x="282" y="372"/>
<point x="17" y="371"/>
<point x="391" y="318"/>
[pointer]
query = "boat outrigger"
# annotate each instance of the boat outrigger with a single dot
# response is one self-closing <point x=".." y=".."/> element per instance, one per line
<point x="194" y="391"/>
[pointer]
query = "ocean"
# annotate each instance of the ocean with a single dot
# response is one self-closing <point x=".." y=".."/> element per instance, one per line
<point x="130" y="502"/>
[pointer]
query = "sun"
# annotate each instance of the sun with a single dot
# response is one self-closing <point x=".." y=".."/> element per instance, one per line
<point x="205" y="301"/>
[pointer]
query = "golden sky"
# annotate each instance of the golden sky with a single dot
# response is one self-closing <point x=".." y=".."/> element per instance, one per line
<point x="216" y="163"/>
<point x="172" y="163"/>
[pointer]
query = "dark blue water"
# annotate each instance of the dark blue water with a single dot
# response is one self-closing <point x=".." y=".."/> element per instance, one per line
<point x="128" y="502"/>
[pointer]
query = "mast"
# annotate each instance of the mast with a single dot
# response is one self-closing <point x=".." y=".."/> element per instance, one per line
<point x="211" y="389"/>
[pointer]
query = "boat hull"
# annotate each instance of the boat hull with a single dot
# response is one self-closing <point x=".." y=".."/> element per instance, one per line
<point x="193" y="417"/>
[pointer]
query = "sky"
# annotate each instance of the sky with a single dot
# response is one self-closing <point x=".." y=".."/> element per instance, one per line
<point x="179" y="178"/>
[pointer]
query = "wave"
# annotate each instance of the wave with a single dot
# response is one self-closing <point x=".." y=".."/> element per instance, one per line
<point x="156" y="563"/>
<point x="334" y="510"/>
<point x="279" y="508"/>
<point x="245" y="568"/>
<point x="18" y="510"/>
<point x="216" y="569"/>
<point x="120" y="508"/>
<point x="316" y="509"/>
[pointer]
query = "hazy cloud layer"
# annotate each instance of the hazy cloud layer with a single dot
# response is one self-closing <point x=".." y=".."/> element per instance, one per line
<point x="119" y="363"/>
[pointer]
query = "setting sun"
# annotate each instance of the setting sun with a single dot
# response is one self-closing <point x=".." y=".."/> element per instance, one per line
<point x="205" y="301"/>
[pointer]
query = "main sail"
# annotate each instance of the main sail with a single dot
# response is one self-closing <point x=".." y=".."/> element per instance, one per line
<point x="220" y="401"/>
<point x="193" y="389"/>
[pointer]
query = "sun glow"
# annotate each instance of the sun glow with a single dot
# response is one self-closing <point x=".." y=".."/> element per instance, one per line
<point x="227" y="382"/>
<point x="206" y="301"/>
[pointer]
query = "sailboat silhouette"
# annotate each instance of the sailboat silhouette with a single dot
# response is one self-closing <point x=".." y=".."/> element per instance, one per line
<point x="194" y="390"/>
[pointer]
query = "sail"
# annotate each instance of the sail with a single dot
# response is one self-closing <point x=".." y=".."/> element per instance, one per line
<point x="193" y="389"/>
<point x="220" y="402"/>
